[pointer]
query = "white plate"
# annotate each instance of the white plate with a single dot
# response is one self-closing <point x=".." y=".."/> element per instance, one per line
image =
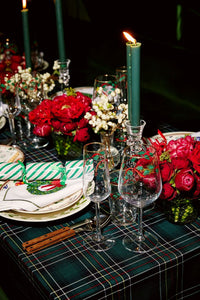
<point x="172" y="135"/>
<point x="2" y="122"/>
<point x="10" y="154"/>
<point x="18" y="216"/>
<point x="58" y="205"/>
<point x="88" y="90"/>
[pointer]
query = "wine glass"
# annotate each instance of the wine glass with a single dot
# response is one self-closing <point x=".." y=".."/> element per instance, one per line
<point x="121" y="74"/>
<point x="96" y="187"/>
<point x="34" y="141"/>
<point x="10" y="107"/>
<point x="107" y="85"/>
<point x="140" y="185"/>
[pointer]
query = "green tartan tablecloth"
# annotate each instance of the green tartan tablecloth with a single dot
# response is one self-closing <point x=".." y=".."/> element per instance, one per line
<point x="68" y="270"/>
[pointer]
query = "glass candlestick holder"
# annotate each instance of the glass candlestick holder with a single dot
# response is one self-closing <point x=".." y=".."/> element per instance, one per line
<point x="134" y="133"/>
<point x="64" y="76"/>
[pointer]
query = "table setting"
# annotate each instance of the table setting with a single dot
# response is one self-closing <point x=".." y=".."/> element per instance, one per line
<point x="90" y="207"/>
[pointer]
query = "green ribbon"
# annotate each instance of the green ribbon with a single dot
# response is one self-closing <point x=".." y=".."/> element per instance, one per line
<point x="23" y="172"/>
<point x="63" y="174"/>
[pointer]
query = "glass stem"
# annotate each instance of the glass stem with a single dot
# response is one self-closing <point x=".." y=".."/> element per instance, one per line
<point x="98" y="227"/>
<point x="11" y="121"/>
<point x="140" y="236"/>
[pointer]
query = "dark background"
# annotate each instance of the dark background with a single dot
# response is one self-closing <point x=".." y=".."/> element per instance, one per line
<point x="95" y="45"/>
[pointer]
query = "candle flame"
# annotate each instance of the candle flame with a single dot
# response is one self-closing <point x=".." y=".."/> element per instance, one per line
<point x="129" y="37"/>
<point x="24" y="4"/>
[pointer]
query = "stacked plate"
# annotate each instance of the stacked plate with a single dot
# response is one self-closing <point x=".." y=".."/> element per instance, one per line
<point x="58" y="210"/>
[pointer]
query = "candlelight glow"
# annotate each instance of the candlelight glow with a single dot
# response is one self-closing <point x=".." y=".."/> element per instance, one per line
<point x="129" y="37"/>
<point x="24" y="4"/>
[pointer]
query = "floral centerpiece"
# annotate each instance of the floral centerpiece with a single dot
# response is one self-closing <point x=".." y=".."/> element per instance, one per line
<point x="104" y="116"/>
<point x="64" y="117"/>
<point x="10" y="60"/>
<point x="180" y="172"/>
<point x="28" y="84"/>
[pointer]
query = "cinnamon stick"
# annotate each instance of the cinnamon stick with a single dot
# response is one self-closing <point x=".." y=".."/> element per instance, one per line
<point x="48" y="239"/>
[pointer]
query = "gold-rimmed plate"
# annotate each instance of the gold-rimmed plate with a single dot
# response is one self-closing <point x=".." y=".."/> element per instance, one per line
<point x="172" y="135"/>
<point x="11" y="154"/>
<point x="53" y="216"/>
<point x="2" y="122"/>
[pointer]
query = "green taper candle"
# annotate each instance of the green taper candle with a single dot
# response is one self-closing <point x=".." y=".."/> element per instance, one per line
<point x="27" y="48"/>
<point x="60" y="32"/>
<point x="133" y="79"/>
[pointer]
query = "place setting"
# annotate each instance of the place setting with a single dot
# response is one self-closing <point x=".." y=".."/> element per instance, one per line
<point x="98" y="199"/>
<point x="46" y="192"/>
<point x="107" y="113"/>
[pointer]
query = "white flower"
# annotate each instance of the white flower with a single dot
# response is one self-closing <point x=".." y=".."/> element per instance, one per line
<point x="29" y="85"/>
<point x="117" y="91"/>
<point x="107" y="117"/>
<point x="56" y="65"/>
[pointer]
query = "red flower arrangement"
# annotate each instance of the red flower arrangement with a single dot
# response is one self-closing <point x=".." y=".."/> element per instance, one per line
<point x="63" y="115"/>
<point x="9" y="66"/>
<point x="180" y="171"/>
<point x="179" y="166"/>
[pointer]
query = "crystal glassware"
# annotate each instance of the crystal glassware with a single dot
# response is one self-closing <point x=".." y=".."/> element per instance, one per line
<point x="10" y="107"/>
<point x="121" y="74"/>
<point x="113" y="155"/>
<point x="134" y="133"/>
<point x="28" y="104"/>
<point x="140" y="185"/>
<point x="107" y="85"/>
<point x="96" y="187"/>
<point x="122" y="213"/>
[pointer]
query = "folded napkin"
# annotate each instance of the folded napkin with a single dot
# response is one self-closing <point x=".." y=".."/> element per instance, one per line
<point x="37" y="195"/>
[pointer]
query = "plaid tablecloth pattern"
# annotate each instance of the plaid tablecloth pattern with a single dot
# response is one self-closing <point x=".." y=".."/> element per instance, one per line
<point x="68" y="270"/>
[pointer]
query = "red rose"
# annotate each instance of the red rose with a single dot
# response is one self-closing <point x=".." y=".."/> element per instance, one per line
<point x="42" y="130"/>
<point x="184" y="180"/>
<point x="166" y="171"/>
<point x="66" y="128"/>
<point x="82" y="123"/>
<point x="195" y="157"/>
<point x="181" y="147"/>
<point x="85" y="100"/>
<point x="150" y="181"/>
<point x="42" y="113"/>
<point x="65" y="108"/>
<point x="64" y="114"/>
<point x="82" y="135"/>
<point x="168" y="192"/>
<point x="196" y="193"/>
<point x="2" y="67"/>
<point x="56" y="125"/>
<point x="14" y="66"/>
<point x="16" y="58"/>
<point x="180" y="163"/>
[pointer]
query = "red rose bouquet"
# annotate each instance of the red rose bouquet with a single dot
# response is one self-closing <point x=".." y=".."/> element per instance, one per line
<point x="180" y="172"/>
<point x="64" y="115"/>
